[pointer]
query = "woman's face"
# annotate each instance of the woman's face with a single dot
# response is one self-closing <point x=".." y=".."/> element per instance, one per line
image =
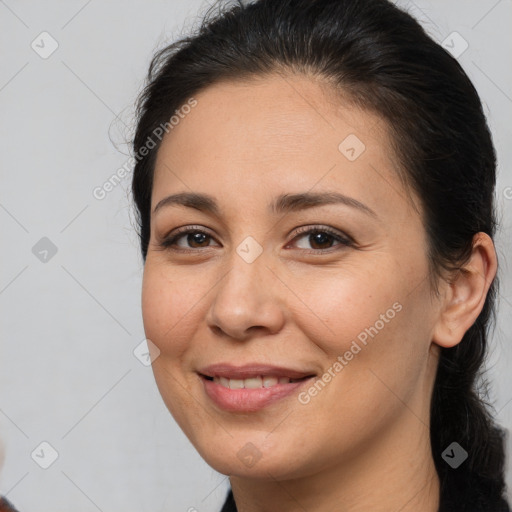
<point x="252" y="294"/>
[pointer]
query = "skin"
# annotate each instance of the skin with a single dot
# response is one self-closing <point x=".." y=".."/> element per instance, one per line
<point x="362" y="443"/>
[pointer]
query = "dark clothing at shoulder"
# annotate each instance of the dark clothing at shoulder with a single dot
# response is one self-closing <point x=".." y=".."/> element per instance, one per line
<point x="229" y="504"/>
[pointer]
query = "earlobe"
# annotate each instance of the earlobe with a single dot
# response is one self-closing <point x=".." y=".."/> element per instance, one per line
<point x="466" y="293"/>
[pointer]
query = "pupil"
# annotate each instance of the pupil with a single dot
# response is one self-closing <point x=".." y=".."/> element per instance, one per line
<point x="196" y="238"/>
<point x="321" y="238"/>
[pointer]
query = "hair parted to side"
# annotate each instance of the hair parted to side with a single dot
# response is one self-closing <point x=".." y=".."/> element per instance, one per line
<point x="382" y="59"/>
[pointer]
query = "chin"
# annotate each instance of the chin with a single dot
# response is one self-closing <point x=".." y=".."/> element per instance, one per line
<point x="241" y="458"/>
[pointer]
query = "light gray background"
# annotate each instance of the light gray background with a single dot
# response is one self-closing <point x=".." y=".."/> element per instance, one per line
<point x="68" y="375"/>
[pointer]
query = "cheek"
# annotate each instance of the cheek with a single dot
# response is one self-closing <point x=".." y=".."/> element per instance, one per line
<point x="368" y="324"/>
<point x="169" y="308"/>
<point x="349" y="305"/>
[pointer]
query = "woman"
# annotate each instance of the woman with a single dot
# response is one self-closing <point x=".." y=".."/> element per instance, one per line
<point x="315" y="196"/>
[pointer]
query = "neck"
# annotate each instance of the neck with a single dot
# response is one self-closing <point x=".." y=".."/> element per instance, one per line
<point x="394" y="472"/>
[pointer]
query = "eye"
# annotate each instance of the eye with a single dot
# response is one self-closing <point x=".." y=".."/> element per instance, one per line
<point x="195" y="236"/>
<point x="321" y="238"/>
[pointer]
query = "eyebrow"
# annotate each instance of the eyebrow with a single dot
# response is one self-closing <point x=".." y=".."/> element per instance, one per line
<point x="281" y="204"/>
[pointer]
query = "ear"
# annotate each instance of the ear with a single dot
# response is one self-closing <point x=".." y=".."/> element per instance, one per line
<point x="465" y="295"/>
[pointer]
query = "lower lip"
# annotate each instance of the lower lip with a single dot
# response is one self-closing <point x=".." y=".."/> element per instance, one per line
<point x="248" y="400"/>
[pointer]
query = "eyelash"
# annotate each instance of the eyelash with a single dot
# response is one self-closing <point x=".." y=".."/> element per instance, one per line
<point x="344" y="240"/>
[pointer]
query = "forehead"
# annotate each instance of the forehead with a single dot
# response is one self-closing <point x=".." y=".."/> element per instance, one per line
<point x="277" y="131"/>
<point x="282" y="111"/>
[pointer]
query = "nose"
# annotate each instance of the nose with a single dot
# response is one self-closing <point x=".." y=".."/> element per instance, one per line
<point x="247" y="301"/>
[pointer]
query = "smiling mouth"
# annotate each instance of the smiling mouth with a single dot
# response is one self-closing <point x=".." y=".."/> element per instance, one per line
<point x="252" y="386"/>
<point x="252" y="393"/>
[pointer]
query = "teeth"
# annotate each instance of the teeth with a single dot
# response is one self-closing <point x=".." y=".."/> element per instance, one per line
<point x="252" y="382"/>
<point x="236" y="383"/>
<point x="269" y="381"/>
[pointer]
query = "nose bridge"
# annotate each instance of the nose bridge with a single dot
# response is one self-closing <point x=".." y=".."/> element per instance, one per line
<point x="244" y="297"/>
<point x="248" y="261"/>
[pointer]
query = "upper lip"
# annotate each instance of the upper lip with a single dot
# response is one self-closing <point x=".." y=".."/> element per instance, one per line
<point x="230" y="371"/>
